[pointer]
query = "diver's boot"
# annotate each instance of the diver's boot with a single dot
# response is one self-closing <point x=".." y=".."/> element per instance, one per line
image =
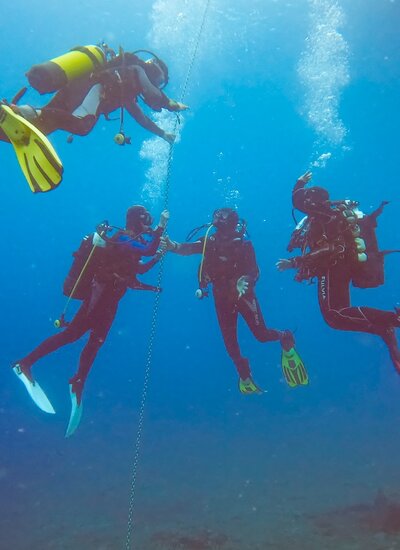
<point x="75" y="391"/>
<point x="34" y="390"/>
<point x="76" y="386"/>
<point x="287" y="340"/>
<point x="389" y="337"/>
<point x="26" y="111"/>
<point x="21" y="369"/>
<point x="248" y="386"/>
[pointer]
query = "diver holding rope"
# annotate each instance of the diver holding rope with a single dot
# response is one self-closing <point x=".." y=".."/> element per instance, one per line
<point x="89" y="81"/>
<point x="229" y="264"/>
<point x="103" y="270"/>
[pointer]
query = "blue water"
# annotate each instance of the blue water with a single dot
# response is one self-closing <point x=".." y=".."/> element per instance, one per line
<point x="276" y="88"/>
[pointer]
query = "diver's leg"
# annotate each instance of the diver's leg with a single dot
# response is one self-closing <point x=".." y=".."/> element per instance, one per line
<point x="102" y="320"/>
<point x="26" y="111"/>
<point x="90" y="104"/>
<point x="334" y="300"/>
<point x="62" y="113"/>
<point x="50" y="120"/>
<point x="250" y="310"/>
<point x="227" y="314"/>
<point x="77" y="327"/>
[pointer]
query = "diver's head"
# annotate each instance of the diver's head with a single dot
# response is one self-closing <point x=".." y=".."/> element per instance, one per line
<point x="157" y="72"/>
<point x="225" y="220"/>
<point x="311" y="201"/>
<point x="138" y="219"/>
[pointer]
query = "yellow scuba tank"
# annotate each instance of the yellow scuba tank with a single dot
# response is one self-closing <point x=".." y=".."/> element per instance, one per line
<point x="52" y="75"/>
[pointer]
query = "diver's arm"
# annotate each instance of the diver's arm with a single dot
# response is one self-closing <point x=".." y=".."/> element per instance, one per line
<point x="148" y="248"/>
<point x="153" y="245"/>
<point x="251" y="271"/>
<point x="136" y="112"/>
<point x="144" y="267"/>
<point x="311" y="258"/>
<point x="174" y="106"/>
<point x="157" y="234"/>
<point x="183" y="249"/>
<point x="153" y="96"/>
<point x="302" y="181"/>
<point x="298" y="190"/>
<point x="187" y="249"/>
<point x="248" y="270"/>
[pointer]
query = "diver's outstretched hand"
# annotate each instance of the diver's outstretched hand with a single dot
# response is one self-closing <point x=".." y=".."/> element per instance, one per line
<point x="182" y="106"/>
<point x="170" y="138"/>
<point x="284" y="265"/>
<point x="177" y="106"/>
<point x="242" y="285"/>
<point x="306" y="177"/>
<point x="166" y="244"/>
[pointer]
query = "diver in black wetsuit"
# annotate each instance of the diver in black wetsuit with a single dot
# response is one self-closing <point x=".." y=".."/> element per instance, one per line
<point x="229" y="264"/>
<point x="79" y="104"/>
<point x="112" y="271"/>
<point x="339" y="246"/>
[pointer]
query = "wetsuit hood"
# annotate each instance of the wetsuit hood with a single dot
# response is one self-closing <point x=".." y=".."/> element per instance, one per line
<point x="225" y="220"/>
<point x="138" y="218"/>
<point x="312" y="200"/>
<point x="157" y="72"/>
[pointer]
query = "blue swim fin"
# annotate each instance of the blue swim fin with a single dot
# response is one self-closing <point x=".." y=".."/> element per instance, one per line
<point x="76" y="413"/>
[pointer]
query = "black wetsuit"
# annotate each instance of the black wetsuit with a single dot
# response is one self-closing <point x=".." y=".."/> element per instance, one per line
<point x="122" y="81"/>
<point x="116" y="268"/>
<point x="227" y="259"/>
<point x="331" y="258"/>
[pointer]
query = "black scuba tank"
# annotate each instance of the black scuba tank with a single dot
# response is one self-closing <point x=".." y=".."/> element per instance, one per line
<point x="81" y="270"/>
<point x="371" y="272"/>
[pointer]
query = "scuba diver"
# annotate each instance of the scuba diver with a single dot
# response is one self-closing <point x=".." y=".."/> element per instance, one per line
<point x="338" y="247"/>
<point x="90" y="81"/>
<point x="103" y="269"/>
<point x="229" y="264"/>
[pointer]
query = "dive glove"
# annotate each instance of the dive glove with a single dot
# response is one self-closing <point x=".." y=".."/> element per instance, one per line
<point x="242" y="285"/>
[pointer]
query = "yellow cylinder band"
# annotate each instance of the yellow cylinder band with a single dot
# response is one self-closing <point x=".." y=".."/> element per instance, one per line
<point x="77" y="63"/>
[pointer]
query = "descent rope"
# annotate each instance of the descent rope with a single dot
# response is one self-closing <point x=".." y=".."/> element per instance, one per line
<point x="156" y="306"/>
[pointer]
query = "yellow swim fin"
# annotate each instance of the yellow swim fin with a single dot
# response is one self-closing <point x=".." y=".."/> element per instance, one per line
<point x="36" y="155"/>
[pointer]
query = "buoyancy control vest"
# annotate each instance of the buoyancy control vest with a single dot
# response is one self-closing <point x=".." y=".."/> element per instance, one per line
<point x="371" y="272"/>
<point x="226" y="259"/>
<point x="114" y="263"/>
<point x="77" y="283"/>
<point x="356" y="243"/>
